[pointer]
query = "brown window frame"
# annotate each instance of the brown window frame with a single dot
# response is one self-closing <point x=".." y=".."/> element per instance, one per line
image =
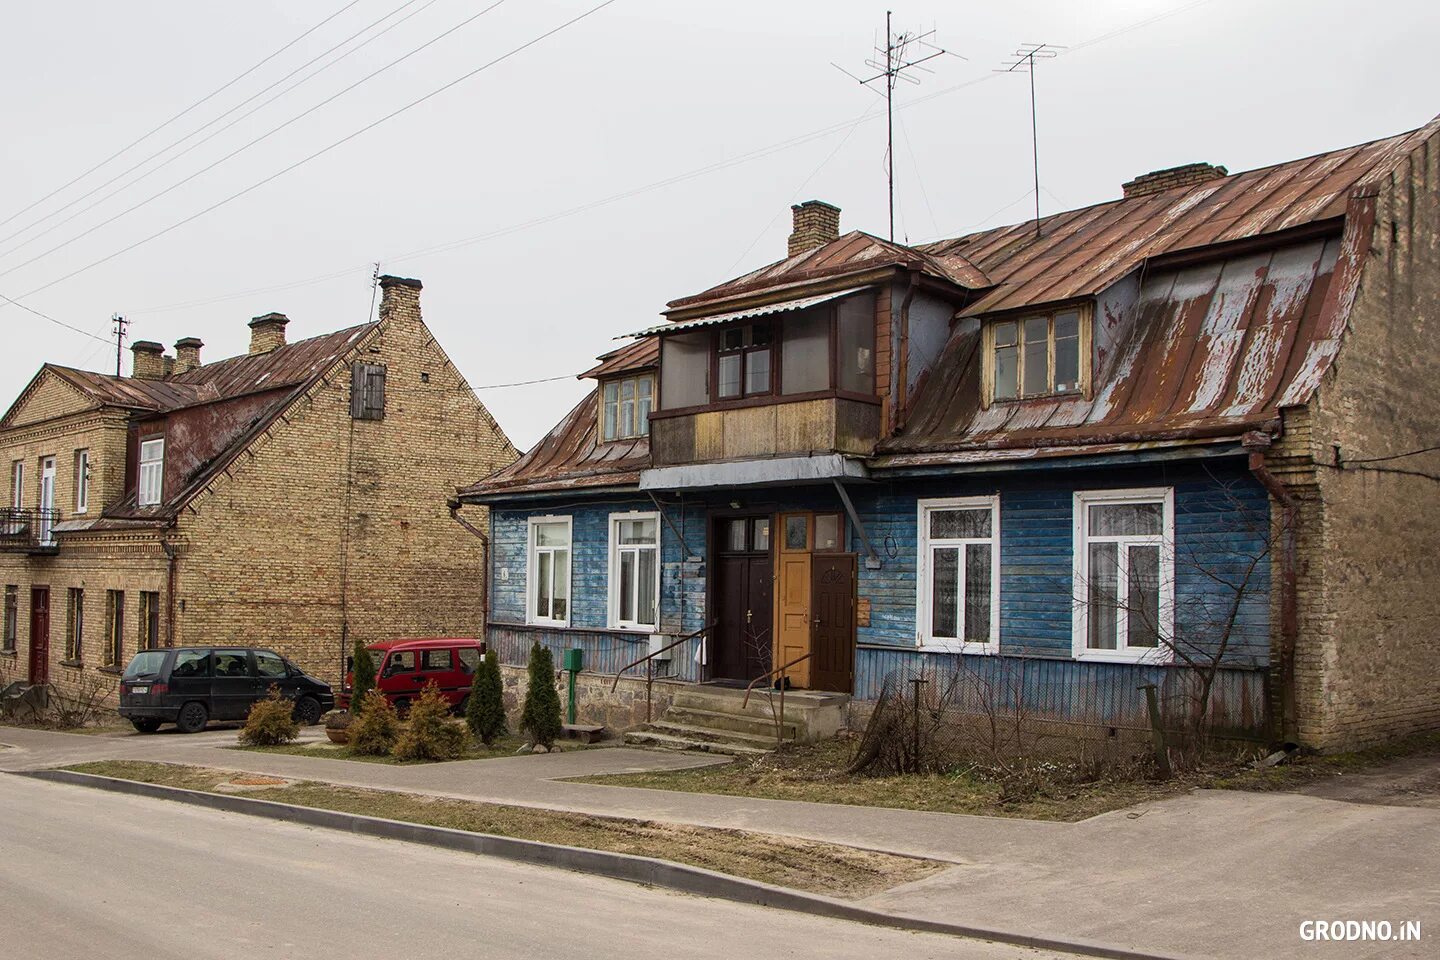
<point x="75" y="624"/>
<point x="1085" y="314"/>
<point x="12" y="618"/>
<point x="772" y="347"/>
<point x="114" y="652"/>
<point x="148" y="620"/>
<point x="602" y="403"/>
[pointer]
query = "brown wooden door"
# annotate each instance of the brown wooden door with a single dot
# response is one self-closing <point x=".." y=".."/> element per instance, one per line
<point x="740" y="649"/>
<point x="793" y="617"/>
<point x="39" y="634"/>
<point x="832" y="633"/>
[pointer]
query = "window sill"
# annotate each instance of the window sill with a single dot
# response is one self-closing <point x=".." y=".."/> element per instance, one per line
<point x="958" y="646"/>
<point x="1148" y="658"/>
<point x="111" y="669"/>
<point x="9" y="653"/>
<point x="622" y="628"/>
<point x="77" y="664"/>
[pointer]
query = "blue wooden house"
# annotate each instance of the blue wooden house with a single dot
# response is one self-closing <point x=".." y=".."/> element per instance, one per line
<point x="1084" y="452"/>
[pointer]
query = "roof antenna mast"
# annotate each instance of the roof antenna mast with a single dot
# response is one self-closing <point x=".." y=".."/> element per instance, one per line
<point x="899" y="58"/>
<point x="121" y="324"/>
<point x="1024" y="62"/>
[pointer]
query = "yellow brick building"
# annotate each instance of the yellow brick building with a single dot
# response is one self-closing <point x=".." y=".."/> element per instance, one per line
<point x="295" y="497"/>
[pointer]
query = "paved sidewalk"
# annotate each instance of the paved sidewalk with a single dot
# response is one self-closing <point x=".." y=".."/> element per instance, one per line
<point x="1212" y="873"/>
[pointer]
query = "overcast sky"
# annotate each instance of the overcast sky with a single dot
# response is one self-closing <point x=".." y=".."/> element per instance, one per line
<point x="720" y="96"/>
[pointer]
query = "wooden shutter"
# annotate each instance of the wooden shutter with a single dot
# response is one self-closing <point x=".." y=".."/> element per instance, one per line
<point x="367" y="391"/>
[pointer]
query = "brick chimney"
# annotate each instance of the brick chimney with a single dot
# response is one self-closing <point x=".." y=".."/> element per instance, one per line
<point x="187" y="354"/>
<point x="267" y="332"/>
<point x="399" y="296"/>
<point x="147" y="360"/>
<point x="816" y="223"/>
<point x="1183" y="176"/>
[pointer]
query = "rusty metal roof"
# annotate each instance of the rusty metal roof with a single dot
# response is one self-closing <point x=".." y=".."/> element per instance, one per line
<point x="855" y="252"/>
<point x="1213" y="348"/>
<point x="640" y="355"/>
<point x="571" y="457"/>
<point x="763" y="310"/>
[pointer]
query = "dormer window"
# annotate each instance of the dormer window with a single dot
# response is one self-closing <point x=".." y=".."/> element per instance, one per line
<point x="743" y="367"/>
<point x="1041" y="355"/>
<point x="625" y="407"/>
<point x="152" y="471"/>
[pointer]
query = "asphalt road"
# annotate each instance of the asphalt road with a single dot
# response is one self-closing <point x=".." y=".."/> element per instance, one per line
<point x="86" y="874"/>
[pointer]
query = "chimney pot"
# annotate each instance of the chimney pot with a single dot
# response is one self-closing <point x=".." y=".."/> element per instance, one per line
<point x="1158" y="181"/>
<point x="267" y="332"/>
<point x="147" y="360"/>
<point x="399" y="294"/>
<point x="815" y="223"/>
<point x="187" y="354"/>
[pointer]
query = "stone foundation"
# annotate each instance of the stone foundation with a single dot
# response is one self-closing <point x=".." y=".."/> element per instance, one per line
<point x="622" y="710"/>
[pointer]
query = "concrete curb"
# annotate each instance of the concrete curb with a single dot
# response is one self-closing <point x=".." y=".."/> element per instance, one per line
<point x="617" y="866"/>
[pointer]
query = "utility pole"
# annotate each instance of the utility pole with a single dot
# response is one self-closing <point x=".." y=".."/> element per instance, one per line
<point x="1024" y="62"/>
<point x="901" y="52"/>
<point x="121" y="325"/>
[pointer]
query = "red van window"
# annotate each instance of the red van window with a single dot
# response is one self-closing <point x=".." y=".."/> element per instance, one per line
<point x="469" y="659"/>
<point x="401" y="661"/>
<point x="435" y="660"/>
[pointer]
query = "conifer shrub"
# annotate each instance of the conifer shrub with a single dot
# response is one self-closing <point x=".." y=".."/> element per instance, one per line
<point x="270" y="722"/>
<point x="485" y="712"/>
<point x="429" y="732"/>
<point x="374" y="730"/>
<point x="362" y="674"/>
<point x="540" y="718"/>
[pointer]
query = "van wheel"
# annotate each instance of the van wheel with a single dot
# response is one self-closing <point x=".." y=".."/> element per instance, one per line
<point x="307" y="711"/>
<point x="146" y="724"/>
<point x="192" y="717"/>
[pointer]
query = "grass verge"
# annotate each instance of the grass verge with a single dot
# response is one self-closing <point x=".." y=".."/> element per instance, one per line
<point x="504" y="747"/>
<point x="816" y="773"/>
<point x="824" y="868"/>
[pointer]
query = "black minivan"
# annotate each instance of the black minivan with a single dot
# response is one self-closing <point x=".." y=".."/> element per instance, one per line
<point x="188" y="686"/>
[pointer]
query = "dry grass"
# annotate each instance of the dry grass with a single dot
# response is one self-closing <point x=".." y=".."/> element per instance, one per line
<point x="825" y="868"/>
<point x="816" y="773"/>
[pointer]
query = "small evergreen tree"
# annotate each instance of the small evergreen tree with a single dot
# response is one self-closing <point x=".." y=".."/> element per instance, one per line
<point x="376" y="727"/>
<point x="362" y="673"/>
<point x="430" y="733"/>
<point x="485" y="711"/>
<point x="541" y="716"/>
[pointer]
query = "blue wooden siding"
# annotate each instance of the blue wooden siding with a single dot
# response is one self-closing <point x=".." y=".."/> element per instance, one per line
<point x="1221" y="528"/>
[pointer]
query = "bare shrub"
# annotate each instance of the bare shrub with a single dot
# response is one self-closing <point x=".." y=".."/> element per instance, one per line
<point x="82" y="704"/>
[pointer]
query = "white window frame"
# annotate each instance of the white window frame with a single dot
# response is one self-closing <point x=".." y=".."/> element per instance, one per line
<point x="82" y="481"/>
<point x="1162" y="652"/>
<point x="149" y="492"/>
<point x="923" y="620"/>
<point x="614" y="571"/>
<point x="531" y="564"/>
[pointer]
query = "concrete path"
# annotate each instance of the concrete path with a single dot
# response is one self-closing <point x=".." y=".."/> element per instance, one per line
<point x="1213" y="873"/>
<point x="153" y="880"/>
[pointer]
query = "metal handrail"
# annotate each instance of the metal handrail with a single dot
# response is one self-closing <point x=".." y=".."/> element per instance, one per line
<point x="649" y="659"/>
<point x="770" y="675"/>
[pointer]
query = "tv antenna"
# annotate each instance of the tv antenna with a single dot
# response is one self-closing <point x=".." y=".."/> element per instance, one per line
<point x="899" y="58"/>
<point x="121" y="325"/>
<point x="1024" y="62"/>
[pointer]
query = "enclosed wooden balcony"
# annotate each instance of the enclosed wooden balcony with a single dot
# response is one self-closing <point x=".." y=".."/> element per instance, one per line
<point x="780" y="427"/>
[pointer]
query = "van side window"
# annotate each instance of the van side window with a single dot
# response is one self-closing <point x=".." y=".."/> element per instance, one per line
<point x="231" y="664"/>
<point x="469" y="659"/>
<point x="435" y="660"/>
<point x="402" y="661"/>
<point x="191" y="663"/>
<point x="270" y="666"/>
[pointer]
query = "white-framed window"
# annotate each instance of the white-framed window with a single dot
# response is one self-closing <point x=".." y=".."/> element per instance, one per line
<point x="152" y="472"/>
<point x="1124" y="574"/>
<point x="82" y="481"/>
<point x="625" y="407"/>
<point x="548" y="572"/>
<point x="635" y="571"/>
<point x="17" y="484"/>
<point x="958" y="574"/>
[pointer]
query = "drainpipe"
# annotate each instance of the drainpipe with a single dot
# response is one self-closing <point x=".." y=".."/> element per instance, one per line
<point x="901" y="389"/>
<point x="455" y="506"/>
<point x="171" y="556"/>
<point x="1257" y="444"/>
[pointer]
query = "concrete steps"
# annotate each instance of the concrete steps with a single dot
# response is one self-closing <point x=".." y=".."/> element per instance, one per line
<point x="719" y="720"/>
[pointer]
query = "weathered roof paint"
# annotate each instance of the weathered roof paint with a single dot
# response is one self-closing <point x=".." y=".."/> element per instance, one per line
<point x="764" y="310"/>
<point x="640" y="355"/>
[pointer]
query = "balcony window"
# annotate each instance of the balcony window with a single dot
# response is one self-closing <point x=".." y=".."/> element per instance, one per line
<point x="152" y="471"/>
<point x="82" y="481"/>
<point x="625" y="407"/>
<point x="1037" y="356"/>
<point x="742" y="367"/>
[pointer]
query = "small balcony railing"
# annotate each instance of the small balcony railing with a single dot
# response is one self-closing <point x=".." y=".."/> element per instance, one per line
<point x="28" y="529"/>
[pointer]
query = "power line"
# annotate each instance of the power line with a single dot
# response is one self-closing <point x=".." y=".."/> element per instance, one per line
<point x="182" y="113"/>
<point x="199" y="143"/>
<point x="343" y="140"/>
<point x="46" y="316"/>
<point x="246" y="146"/>
<point x="1347" y="461"/>
<point x="526" y="383"/>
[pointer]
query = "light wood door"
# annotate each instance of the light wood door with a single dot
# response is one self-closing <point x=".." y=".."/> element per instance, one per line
<point x="792" y="637"/>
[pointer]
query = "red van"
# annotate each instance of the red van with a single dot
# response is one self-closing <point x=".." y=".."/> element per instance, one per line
<point x="403" y="668"/>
